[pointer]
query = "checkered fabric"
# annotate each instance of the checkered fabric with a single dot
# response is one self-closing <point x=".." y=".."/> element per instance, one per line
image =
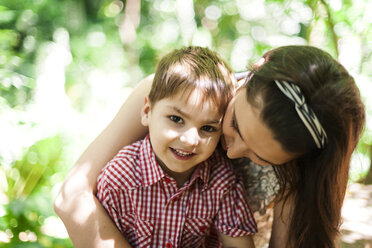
<point x="149" y="209"/>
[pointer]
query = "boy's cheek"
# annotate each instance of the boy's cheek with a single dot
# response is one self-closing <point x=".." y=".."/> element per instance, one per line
<point x="218" y="134"/>
<point x="213" y="141"/>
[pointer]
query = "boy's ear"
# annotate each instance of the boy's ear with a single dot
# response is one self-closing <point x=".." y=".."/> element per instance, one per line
<point x="145" y="112"/>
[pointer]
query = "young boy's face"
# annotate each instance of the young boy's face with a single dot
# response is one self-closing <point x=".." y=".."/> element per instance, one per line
<point x="183" y="131"/>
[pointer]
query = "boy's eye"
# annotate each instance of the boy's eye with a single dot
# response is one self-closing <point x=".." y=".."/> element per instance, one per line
<point x="208" y="129"/>
<point x="176" y="119"/>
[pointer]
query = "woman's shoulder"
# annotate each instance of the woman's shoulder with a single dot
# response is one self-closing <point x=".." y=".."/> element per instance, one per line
<point x="261" y="186"/>
<point x="260" y="182"/>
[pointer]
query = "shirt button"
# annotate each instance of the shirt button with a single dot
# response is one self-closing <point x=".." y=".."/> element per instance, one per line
<point x="168" y="245"/>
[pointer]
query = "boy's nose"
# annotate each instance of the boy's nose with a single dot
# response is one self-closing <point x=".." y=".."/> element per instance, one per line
<point x="191" y="137"/>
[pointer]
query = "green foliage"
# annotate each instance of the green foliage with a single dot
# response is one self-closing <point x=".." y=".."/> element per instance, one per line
<point x="28" y="190"/>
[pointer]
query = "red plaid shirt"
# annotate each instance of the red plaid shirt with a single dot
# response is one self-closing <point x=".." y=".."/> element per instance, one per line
<point x="149" y="209"/>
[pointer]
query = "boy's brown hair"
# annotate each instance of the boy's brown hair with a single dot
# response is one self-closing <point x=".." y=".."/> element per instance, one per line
<point x="189" y="68"/>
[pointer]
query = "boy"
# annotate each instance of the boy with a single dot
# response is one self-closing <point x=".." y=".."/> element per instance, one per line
<point x="174" y="188"/>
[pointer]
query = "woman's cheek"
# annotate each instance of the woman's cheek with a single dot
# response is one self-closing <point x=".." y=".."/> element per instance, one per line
<point x="226" y="127"/>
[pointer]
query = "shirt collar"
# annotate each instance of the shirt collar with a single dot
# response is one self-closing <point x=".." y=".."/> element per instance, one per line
<point x="152" y="172"/>
<point x="202" y="172"/>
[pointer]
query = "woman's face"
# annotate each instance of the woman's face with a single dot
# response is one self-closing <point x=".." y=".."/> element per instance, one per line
<point x="245" y="134"/>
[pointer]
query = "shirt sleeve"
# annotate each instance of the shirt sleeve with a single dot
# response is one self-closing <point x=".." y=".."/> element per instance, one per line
<point x="108" y="198"/>
<point x="235" y="217"/>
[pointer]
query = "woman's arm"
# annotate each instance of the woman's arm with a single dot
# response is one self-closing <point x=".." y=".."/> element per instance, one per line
<point x="279" y="233"/>
<point x="85" y="219"/>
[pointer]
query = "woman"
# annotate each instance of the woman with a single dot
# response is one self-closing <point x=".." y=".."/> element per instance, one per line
<point x="298" y="111"/>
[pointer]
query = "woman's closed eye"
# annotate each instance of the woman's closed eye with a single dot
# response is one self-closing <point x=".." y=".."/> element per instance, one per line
<point x="233" y="124"/>
<point x="176" y="119"/>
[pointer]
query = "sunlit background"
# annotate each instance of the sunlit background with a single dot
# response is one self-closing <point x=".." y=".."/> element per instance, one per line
<point x="66" y="66"/>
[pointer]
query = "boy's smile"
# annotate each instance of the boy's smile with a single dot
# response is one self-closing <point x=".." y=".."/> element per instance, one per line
<point x="184" y="131"/>
<point x="182" y="155"/>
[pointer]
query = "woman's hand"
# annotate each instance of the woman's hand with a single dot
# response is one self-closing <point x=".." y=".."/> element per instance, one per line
<point x="236" y="242"/>
<point x="85" y="219"/>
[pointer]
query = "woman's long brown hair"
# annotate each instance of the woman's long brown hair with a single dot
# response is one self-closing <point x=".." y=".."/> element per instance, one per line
<point x="316" y="181"/>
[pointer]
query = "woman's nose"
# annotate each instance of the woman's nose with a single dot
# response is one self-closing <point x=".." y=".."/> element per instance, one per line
<point x="190" y="137"/>
<point x="236" y="149"/>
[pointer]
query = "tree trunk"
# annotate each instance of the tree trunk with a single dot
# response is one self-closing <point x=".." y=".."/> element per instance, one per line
<point x="368" y="178"/>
